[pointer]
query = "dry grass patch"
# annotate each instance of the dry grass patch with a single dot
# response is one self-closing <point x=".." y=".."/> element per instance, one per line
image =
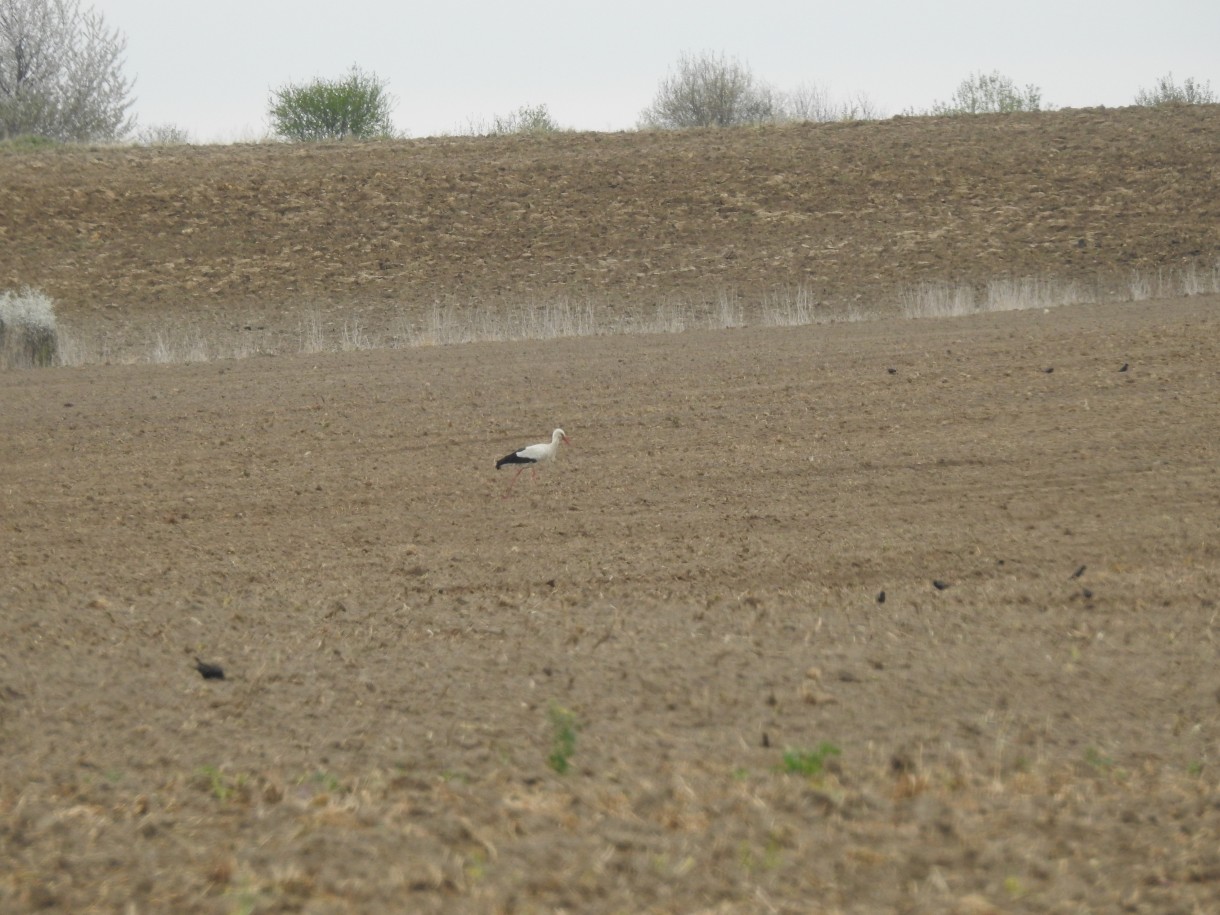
<point x="857" y="835"/>
<point x="452" y="322"/>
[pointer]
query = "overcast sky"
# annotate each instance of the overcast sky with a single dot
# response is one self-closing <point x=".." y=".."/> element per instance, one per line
<point x="208" y="67"/>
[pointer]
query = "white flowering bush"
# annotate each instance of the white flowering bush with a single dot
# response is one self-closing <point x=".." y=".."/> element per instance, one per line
<point x="28" y="335"/>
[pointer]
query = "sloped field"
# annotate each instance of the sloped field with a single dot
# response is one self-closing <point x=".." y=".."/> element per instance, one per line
<point x="239" y="241"/>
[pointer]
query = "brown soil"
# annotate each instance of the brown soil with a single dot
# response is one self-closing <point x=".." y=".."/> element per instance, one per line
<point x="695" y="584"/>
<point x="238" y="239"/>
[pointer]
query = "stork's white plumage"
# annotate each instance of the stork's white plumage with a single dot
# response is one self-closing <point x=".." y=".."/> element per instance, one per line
<point x="532" y="455"/>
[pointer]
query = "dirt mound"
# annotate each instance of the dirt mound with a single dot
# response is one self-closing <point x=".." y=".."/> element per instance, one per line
<point x="847" y="210"/>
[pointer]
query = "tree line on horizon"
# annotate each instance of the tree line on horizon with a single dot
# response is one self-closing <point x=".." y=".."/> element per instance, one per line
<point x="62" y="80"/>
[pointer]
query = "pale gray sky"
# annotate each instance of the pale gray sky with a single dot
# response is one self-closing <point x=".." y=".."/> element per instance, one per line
<point x="209" y="67"/>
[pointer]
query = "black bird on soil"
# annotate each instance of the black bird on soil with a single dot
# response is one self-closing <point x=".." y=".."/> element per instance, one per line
<point x="209" y="671"/>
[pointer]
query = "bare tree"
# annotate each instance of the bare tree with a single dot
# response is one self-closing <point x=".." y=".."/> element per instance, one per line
<point x="710" y="90"/>
<point x="61" y="72"/>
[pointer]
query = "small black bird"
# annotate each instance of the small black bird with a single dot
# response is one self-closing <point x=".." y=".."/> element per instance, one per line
<point x="892" y="371"/>
<point x="1126" y="365"/>
<point x="881" y="598"/>
<point x="1079" y="572"/>
<point x="940" y="585"/>
<point x="209" y="671"/>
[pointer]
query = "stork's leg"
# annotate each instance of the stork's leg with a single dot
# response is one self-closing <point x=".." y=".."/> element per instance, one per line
<point x="508" y="492"/>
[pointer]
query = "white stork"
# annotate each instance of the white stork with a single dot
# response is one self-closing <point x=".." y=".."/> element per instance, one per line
<point x="532" y="455"/>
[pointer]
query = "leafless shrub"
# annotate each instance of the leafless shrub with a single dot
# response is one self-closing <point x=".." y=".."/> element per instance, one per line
<point x="710" y="90"/>
<point x="811" y="103"/>
<point x="162" y="135"/>
<point x="990" y="93"/>
<point x="527" y="119"/>
<point x="1167" y="92"/>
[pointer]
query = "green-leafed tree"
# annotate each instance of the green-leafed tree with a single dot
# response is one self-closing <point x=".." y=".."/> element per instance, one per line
<point x="990" y="93"/>
<point x="356" y="107"/>
<point x="61" y="73"/>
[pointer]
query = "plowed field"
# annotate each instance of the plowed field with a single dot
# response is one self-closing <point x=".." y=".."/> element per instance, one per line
<point x="236" y="242"/>
<point x="888" y="616"/>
